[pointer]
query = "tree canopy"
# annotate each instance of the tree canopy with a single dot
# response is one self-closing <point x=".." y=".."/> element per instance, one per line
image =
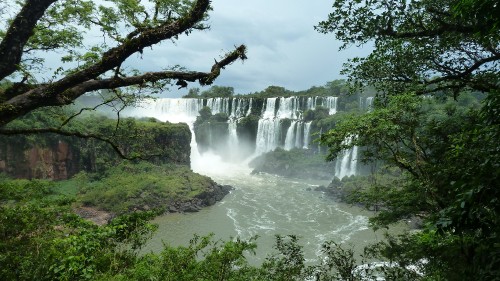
<point x="425" y="52"/>
<point x="423" y="46"/>
<point x="32" y="31"/>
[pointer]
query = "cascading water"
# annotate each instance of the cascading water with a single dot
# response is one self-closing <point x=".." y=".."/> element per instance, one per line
<point x="299" y="135"/>
<point x="307" y="134"/>
<point x="288" y="108"/>
<point x="262" y="205"/>
<point x="269" y="129"/>
<point x="311" y="102"/>
<point x="290" y="136"/>
<point x="268" y="135"/>
<point x="233" y="135"/>
<point x="366" y="103"/>
<point x="249" y="107"/>
<point x="346" y="164"/>
<point x="331" y="104"/>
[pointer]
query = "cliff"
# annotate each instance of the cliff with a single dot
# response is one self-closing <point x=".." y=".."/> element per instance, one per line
<point x="57" y="160"/>
<point x="296" y="163"/>
<point x="57" y="157"/>
<point x="144" y="186"/>
<point x="208" y="197"/>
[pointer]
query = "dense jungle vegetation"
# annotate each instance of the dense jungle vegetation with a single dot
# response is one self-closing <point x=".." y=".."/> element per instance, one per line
<point x="447" y="156"/>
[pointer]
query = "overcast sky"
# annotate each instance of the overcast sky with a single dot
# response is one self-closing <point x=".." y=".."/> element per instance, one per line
<point x="283" y="47"/>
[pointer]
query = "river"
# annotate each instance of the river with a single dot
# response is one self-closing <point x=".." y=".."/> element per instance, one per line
<point x="266" y="205"/>
<point x="263" y="205"/>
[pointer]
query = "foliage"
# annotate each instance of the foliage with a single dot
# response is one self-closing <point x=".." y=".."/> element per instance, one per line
<point x="146" y="139"/>
<point x="273" y="91"/>
<point x="34" y="30"/>
<point x="371" y="190"/>
<point x="211" y="131"/>
<point x="337" y="88"/>
<point x="319" y="112"/>
<point x="421" y="46"/>
<point x="193" y="93"/>
<point x="450" y="162"/>
<point x="447" y="152"/>
<point x="206" y="116"/>
<point x="41" y="239"/>
<point x="202" y="259"/>
<point x="140" y="186"/>
<point x="218" y="92"/>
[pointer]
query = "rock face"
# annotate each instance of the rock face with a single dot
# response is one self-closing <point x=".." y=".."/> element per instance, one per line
<point x="57" y="157"/>
<point x="207" y="198"/>
<point x="98" y="217"/>
<point x="55" y="161"/>
<point x="296" y="163"/>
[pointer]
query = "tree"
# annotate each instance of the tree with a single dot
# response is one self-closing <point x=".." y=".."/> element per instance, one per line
<point x="218" y="92"/>
<point x="193" y="93"/>
<point x="43" y="28"/>
<point x="450" y="155"/>
<point x="423" y="46"/>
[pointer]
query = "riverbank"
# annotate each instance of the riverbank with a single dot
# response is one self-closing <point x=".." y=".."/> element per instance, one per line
<point x="131" y="187"/>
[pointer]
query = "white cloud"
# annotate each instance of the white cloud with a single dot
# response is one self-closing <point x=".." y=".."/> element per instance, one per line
<point x="283" y="47"/>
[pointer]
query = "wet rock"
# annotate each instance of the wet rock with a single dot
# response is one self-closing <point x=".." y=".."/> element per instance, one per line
<point x="99" y="217"/>
<point x="207" y="198"/>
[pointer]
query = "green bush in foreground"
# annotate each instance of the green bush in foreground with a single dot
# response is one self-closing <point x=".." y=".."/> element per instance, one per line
<point x="42" y="239"/>
<point x="141" y="186"/>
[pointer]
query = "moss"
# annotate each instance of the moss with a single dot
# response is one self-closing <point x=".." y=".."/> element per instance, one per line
<point x="147" y="138"/>
<point x="140" y="186"/>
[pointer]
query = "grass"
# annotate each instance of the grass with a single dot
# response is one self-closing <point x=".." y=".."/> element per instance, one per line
<point x="127" y="187"/>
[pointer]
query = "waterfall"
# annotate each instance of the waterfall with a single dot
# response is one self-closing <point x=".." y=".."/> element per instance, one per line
<point x="369" y="103"/>
<point x="172" y="110"/>
<point x="331" y="104"/>
<point x="298" y="135"/>
<point x="234" y="107"/>
<point x="366" y="103"/>
<point x="311" y="103"/>
<point x="288" y="108"/>
<point x="307" y="132"/>
<point x="270" y="132"/>
<point x="347" y="162"/>
<point x="232" y="136"/>
<point x="290" y="136"/>
<point x="249" y="107"/>
<point x="268" y="135"/>
<point x="218" y="105"/>
<point x="268" y="111"/>
<point x="238" y="108"/>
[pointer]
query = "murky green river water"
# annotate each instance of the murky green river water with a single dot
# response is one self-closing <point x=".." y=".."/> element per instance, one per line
<point x="267" y="205"/>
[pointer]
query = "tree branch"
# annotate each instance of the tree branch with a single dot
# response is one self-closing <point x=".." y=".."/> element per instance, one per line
<point x="18" y="34"/>
<point x="84" y="109"/>
<point x="465" y="75"/>
<point x="65" y="90"/>
<point x="66" y="97"/>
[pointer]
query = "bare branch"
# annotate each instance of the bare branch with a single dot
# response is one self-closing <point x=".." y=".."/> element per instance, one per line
<point x="204" y="78"/>
<point x="20" y="30"/>
<point x="65" y="90"/>
<point x="84" y="109"/>
<point x="35" y="98"/>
